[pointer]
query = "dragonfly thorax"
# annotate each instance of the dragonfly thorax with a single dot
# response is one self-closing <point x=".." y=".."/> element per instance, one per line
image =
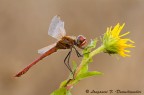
<point x="65" y="43"/>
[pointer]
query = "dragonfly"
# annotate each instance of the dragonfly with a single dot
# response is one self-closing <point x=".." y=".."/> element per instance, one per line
<point x="57" y="31"/>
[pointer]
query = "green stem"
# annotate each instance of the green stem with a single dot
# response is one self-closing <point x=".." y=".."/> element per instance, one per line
<point x="96" y="51"/>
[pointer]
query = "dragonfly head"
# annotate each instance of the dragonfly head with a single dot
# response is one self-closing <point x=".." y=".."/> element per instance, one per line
<point x="80" y="41"/>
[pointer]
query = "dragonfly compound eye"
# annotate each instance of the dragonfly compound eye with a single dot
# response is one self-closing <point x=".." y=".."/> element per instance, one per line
<point x="81" y="40"/>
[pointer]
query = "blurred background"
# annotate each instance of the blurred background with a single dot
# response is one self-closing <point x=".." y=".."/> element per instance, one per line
<point x="23" y="30"/>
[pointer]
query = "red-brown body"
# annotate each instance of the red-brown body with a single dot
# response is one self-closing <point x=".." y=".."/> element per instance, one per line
<point x="65" y="43"/>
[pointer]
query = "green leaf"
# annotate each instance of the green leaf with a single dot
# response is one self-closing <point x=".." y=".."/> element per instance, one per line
<point x="68" y="93"/>
<point x="74" y="65"/>
<point x="88" y="74"/>
<point x="63" y="83"/>
<point x="88" y="49"/>
<point x="84" y="69"/>
<point x="60" y="91"/>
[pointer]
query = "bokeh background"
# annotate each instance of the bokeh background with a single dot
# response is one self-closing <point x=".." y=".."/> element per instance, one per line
<point x="23" y="30"/>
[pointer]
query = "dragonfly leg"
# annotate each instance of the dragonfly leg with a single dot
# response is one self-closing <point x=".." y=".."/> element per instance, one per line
<point x="69" y="64"/>
<point x="66" y="61"/>
<point x="78" y="54"/>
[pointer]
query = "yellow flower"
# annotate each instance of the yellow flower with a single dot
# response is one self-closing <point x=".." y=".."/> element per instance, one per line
<point x="114" y="43"/>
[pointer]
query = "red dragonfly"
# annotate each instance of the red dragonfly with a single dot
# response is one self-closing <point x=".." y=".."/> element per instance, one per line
<point x="57" y="31"/>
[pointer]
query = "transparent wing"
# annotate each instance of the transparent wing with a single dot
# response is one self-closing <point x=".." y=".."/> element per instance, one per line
<point x="47" y="48"/>
<point x="56" y="28"/>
